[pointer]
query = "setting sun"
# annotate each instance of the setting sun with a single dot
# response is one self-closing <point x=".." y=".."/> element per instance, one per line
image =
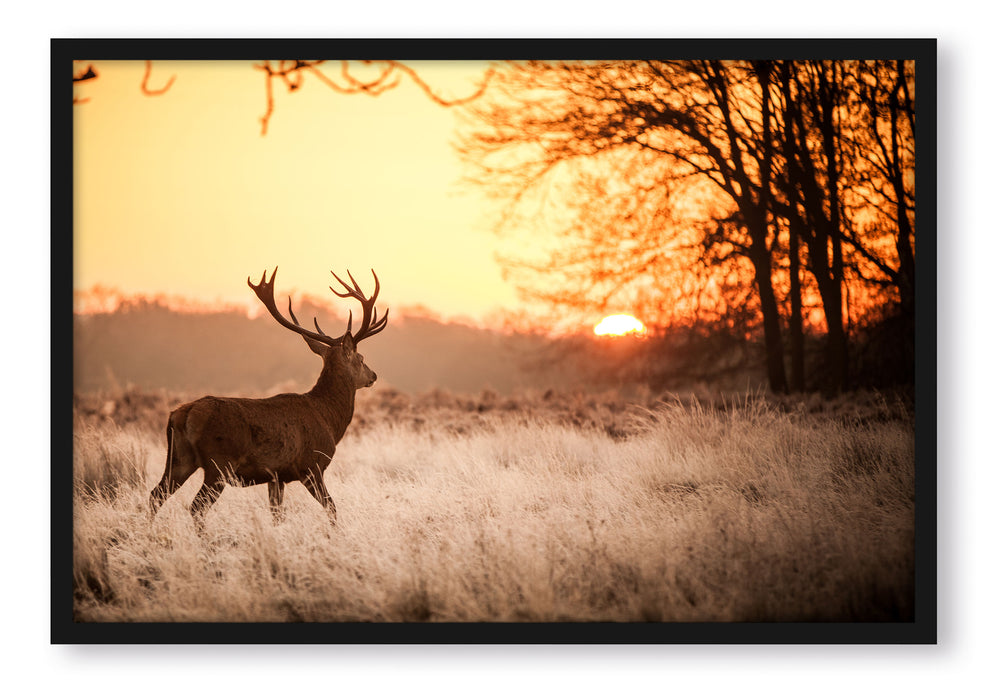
<point x="619" y="324"/>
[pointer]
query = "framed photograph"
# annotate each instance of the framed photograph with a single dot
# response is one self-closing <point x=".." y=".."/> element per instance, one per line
<point x="492" y="341"/>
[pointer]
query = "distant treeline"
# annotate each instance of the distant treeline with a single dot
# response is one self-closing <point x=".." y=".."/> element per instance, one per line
<point x="148" y="345"/>
<point x="145" y="344"/>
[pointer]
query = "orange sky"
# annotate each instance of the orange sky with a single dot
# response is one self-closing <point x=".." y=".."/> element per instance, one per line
<point x="180" y="194"/>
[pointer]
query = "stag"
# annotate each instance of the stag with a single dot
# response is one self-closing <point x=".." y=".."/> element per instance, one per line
<point x="279" y="439"/>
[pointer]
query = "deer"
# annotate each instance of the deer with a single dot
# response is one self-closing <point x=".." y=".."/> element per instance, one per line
<point x="278" y="439"/>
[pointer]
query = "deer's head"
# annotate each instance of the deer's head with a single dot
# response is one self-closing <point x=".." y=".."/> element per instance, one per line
<point x="339" y="354"/>
<point x="344" y="358"/>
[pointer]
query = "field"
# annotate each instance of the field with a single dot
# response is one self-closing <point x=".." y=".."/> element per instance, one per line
<point x="528" y="507"/>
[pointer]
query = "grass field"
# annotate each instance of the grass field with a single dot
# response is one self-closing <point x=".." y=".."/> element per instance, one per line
<point x="543" y="507"/>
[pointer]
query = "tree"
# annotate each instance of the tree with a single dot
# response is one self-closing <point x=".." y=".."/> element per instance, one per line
<point x="653" y="172"/>
<point x="847" y="187"/>
<point x="811" y="192"/>
<point x="886" y="147"/>
<point x="677" y="127"/>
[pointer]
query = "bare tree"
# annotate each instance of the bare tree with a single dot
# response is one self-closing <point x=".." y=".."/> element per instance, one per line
<point x="885" y="146"/>
<point x="717" y="168"/>
<point x="847" y="188"/>
<point x="691" y="136"/>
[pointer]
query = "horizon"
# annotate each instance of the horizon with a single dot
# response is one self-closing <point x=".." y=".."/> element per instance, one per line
<point x="101" y="299"/>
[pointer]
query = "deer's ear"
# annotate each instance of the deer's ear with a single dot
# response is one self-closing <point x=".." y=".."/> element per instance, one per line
<point x="348" y="343"/>
<point x="316" y="346"/>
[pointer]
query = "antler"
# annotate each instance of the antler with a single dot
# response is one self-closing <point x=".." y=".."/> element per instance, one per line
<point x="265" y="290"/>
<point x="370" y="323"/>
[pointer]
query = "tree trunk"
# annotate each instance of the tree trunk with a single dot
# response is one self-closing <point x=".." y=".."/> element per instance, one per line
<point x="822" y="228"/>
<point x="837" y="360"/>
<point x="905" y="273"/>
<point x="762" y="257"/>
<point x="771" y="321"/>
<point x="791" y="195"/>
<point x="836" y="345"/>
<point x="796" y="327"/>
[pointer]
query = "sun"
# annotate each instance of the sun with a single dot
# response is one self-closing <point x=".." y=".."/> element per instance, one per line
<point x="620" y="324"/>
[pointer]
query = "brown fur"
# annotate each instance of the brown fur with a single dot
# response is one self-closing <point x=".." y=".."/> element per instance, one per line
<point x="274" y="440"/>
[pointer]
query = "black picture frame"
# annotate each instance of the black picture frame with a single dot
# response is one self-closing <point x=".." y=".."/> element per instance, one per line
<point x="64" y="631"/>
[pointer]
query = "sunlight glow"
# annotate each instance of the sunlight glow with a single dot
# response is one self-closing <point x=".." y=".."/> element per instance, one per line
<point x="183" y="196"/>
<point x="620" y="324"/>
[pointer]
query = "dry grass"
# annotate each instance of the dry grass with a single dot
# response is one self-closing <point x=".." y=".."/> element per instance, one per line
<point x="533" y="508"/>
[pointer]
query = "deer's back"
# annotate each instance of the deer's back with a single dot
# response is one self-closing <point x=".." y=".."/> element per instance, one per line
<point x="256" y="438"/>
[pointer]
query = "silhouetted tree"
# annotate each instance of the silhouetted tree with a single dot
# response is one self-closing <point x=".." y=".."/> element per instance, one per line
<point x="695" y="131"/>
<point x="811" y="190"/>
<point x="653" y="173"/>
<point x="847" y="188"/>
<point x="885" y="142"/>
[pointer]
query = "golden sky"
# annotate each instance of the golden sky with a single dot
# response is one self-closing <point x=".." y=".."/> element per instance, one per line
<point x="180" y="194"/>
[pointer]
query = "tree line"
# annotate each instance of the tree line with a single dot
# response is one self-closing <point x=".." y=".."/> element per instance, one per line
<point x="767" y="198"/>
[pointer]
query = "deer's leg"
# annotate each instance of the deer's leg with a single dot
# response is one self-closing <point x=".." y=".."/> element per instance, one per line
<point x="180" y="463"/>
<point x="313" y="481"/>
<point x="207" y="495"/>
<point x="276" y="490"/>
<point x="165" y="488"/>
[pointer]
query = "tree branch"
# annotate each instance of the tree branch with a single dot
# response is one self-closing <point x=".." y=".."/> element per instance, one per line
<point x="144" y="83"/>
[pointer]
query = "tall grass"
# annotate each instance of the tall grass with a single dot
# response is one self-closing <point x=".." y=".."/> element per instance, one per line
<point x="108" y="460"/>
<point x="678" y="512"/>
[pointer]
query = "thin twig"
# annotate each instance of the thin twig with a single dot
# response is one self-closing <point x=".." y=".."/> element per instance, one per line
<point x="144" y="83"/>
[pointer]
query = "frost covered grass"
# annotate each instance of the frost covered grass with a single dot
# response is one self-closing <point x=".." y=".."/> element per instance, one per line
<point x="526" y="509"/>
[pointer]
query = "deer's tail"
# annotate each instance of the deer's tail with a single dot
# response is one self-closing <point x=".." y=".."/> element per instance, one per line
<point x="169" y="430"/>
